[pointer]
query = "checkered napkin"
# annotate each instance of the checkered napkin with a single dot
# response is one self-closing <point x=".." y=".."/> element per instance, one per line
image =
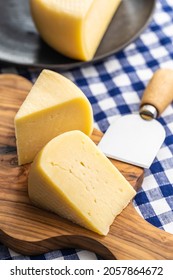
<point x="114" y="87"/>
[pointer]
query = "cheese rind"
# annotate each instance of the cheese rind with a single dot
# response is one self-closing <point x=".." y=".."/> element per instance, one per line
<point x="73" y="178"/>
<point x="53" y="106"/>
<point x="73" y="28"/>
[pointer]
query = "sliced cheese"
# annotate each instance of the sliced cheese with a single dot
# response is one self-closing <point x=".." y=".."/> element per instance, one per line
<point x="53" y="106"/>
<point x="73" y="27"/>
<point x="73" y="178"/>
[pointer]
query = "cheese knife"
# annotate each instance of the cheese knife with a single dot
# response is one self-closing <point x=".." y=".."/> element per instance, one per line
<point x="136" y="138"/>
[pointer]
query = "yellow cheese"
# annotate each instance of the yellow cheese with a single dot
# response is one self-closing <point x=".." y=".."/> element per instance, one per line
<point x="53" y="106"/>
<point x="73" y="27"/>
<point x="71" y="177"/>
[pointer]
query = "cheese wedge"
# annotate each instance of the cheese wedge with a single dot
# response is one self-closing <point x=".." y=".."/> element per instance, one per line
<point x="53" y="106"/>
<point x="71" y="177"/>
<point x="73" y="27"/>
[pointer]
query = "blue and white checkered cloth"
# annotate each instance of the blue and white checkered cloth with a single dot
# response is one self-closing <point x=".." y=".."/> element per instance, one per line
<point x="114" y="87"/>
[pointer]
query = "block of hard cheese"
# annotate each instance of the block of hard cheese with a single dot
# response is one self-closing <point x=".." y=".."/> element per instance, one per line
<point x="73" y="27"/>
<point x="71" y="177"/>
<point x="54" y="105"/>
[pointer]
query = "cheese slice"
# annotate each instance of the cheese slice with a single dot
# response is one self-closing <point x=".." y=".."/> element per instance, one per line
<point x="73" y="27"/>
<point x="71" y="177"/>
<point x="53" y="106"/>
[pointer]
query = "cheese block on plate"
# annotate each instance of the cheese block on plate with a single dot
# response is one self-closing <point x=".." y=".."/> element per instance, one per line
<point x="73" y="27"/>
<point x="53" y="106"/>
<point x="71" y="177"/>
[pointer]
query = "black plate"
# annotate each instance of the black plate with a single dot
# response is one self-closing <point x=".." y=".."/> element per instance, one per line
<point x="21" y="45"/>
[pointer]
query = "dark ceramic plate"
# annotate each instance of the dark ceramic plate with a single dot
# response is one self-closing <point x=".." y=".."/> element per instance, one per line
<point x="21" y="45"/>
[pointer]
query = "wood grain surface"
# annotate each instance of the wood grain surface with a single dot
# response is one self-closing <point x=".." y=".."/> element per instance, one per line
<point x="30" y="230"/>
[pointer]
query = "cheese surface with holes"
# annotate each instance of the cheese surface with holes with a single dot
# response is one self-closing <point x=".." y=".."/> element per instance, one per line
<point x="73" y="27"/>
<point x="71" y="177"/>
<point x="53" y="106"/>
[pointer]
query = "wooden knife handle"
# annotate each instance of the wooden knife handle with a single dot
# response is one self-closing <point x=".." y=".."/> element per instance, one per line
<point x="159" y="91"/>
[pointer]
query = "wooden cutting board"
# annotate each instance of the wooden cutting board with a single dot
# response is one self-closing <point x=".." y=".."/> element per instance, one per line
<point x="29" y="230"/>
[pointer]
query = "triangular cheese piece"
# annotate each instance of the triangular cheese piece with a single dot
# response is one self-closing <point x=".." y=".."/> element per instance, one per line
<point x="54" y="105"/>
<point x="74" y="179"/>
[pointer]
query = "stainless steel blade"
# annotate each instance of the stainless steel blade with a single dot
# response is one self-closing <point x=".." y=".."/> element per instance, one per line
<point x="133" y="140"/>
